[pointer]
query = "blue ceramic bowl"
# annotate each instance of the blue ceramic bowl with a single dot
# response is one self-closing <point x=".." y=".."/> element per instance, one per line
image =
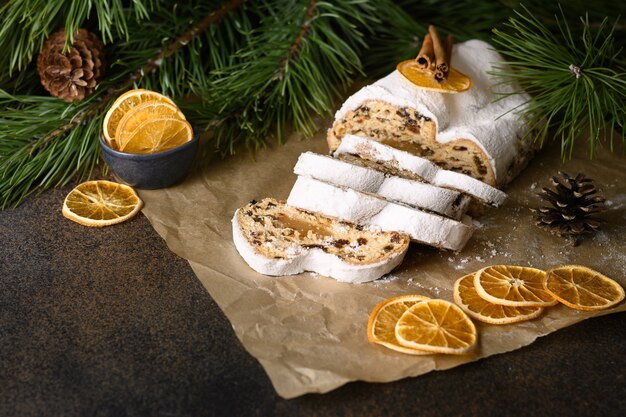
<point x="154" y="170"/>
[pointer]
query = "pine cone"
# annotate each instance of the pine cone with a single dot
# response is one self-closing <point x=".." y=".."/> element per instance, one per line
<point x="71" y="75"/>
<point x="574" y="201"/>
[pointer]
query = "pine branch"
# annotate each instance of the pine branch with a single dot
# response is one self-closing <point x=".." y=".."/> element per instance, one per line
<point x="288" y="73"/>
<point x="295" y="45"/>
<point x="63" y="143"/>
<point x="575" y="79"/>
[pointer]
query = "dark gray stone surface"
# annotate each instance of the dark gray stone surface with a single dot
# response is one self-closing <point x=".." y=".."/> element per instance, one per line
<point x="109" y="322"/>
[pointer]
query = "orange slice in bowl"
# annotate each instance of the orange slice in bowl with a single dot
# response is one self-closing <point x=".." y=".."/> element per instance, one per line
<point x="436" y="326"/>
<point x="157" y="135"/>
<point x="382" y="323"/>
<point x="456" y="82"/>
<point x="101" y="203"/>
<point x="140" y="115"/>
<point x="583" y="288"/>
<point x="122" y="105"/>
<point x="466" y="297"/>
<point x="514" y="286"/>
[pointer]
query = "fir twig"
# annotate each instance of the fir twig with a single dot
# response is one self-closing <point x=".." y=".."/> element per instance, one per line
<point x="574" y="79"/>
<point x="287" y="73"/>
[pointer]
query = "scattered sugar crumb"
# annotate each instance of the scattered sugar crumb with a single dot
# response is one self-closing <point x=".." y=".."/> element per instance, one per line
<point x="387" y="278"/>
<point x="533" y="186"/>
<point x="477" y="224"/>
<point x="436" y="291"/>
<point x="601" y="237"/>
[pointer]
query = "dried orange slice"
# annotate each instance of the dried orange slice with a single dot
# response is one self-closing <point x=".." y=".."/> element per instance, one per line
<point x="382" y="323"/>
<point x="582" y="288"/>
<point x="139" y="115"/>
<point x="466" y="297"/>
<point x="456" y="82"/>
<point x="101" y="203"/>
<point x="122" y="105"/>
<point x="157" y="135"/>
<point x="436" y="326"/>
<point x="515" y="286"/>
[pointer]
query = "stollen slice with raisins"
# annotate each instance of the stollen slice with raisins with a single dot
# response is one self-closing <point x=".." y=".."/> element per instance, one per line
<point x="277" y="239"/>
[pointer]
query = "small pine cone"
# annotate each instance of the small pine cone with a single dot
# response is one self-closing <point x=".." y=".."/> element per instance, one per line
<point x="573" y="203"/>
<point x="71" y="75"/>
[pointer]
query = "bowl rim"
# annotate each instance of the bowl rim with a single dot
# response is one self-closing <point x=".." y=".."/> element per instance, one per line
<point x="127" y="155"/>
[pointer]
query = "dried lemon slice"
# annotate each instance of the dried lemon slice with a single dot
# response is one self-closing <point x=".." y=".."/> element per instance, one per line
<point x="122" y="105"/>
<point x="436" y="326"/>
<point x="466" y="297"/>
<point x="515" y="286"/>
<point x="158" y="135"/>
<point x="101" y="203"/>
<point x="582" y="288"/>
<point x="382" y="323"/>
<point x="456" y="82"/>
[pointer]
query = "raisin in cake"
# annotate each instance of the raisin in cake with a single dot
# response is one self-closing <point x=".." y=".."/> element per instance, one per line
<point x="478" y="132"/>
<point x="275" y="239"/>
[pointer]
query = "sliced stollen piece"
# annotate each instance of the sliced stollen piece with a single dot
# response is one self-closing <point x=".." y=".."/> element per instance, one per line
<point x="408" y="165"/>
<point x="275" y="239"/>
<point x="478" y="132"/>
<point x="362" y="175"/>
<point x="366" y="209"/>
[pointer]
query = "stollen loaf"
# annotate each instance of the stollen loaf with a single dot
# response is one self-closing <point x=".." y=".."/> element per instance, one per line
<point x="479" y="132"/>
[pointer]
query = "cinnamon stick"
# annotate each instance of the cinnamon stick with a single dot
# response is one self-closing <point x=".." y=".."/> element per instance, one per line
<point x="443" y="50"/>
<point x="445" y="65"/>
<point x="426" y="56"/>
<point x="440" y="52"/>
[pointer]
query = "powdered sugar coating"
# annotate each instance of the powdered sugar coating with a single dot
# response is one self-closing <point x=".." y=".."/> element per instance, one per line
<point x="360" y="208"/>
<point x="481" y="114"/>
<point x="311" y="259"/>
<point x="360" y="178"/>
<point x="423" y="168"/>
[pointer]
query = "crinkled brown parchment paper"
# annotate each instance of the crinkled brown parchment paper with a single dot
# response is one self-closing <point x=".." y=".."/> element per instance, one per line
<point x="309" y="331"/>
